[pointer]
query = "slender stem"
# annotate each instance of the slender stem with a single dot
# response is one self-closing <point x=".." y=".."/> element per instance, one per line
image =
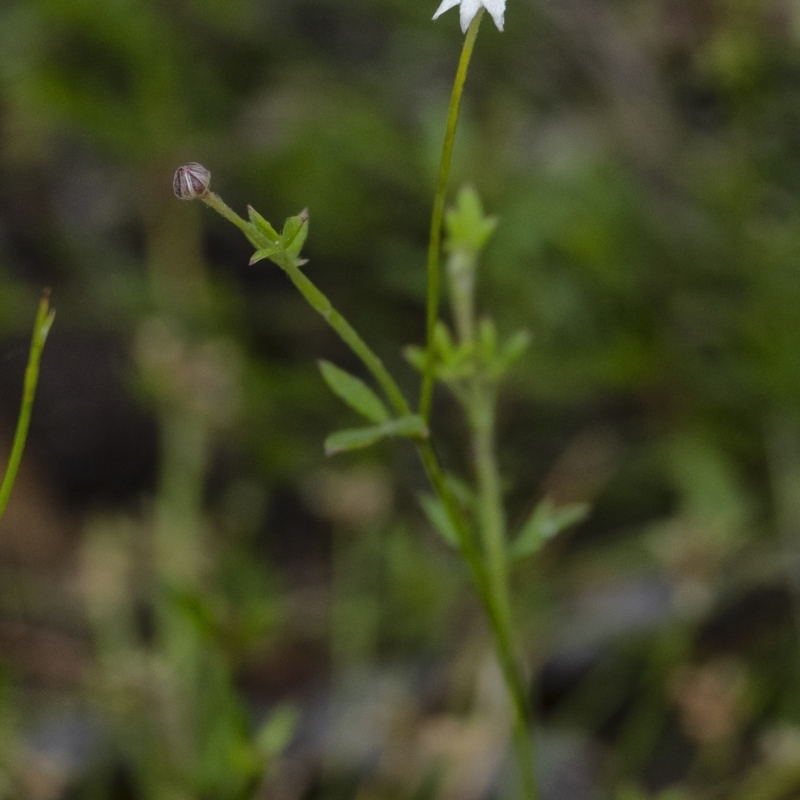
<point x="320" y="303"/>
<point x="223" y="209"/>
<point x="41" y="327"/>
<point x="461" y="267"/>
<point x="474" y="560"/>
<point x="523" y="749"/>
<point x="492" y="516"/>
<point x="478" y="399"/>
<point x="494" y="606"/>
<point x="492" y="526"/>
<point x="437" y="215"/>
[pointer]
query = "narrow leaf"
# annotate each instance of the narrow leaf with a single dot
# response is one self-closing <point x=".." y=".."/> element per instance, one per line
<point x="354" y="392"/>
<point x="513" y="349"/>
<point x="294" y="233"/>
<point x="352" y="439"/>
<point x="461" y="489"/>
<point x="443" y="341"/>
<point x="544" y="523"/>
<point x="266" y="252"/>
<point x="415" y="356"/>
<point x="356" y="438"/>
<point x="277" y="731"/>
<point x="410" y="425"/>
<point x="437" y="516"/>
<point x="262" y="225"/>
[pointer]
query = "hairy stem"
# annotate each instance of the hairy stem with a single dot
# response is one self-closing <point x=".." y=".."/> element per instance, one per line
<point x="437" y="215"/>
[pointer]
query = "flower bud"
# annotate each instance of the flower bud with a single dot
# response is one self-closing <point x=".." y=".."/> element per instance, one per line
<point x="191" y="181"/>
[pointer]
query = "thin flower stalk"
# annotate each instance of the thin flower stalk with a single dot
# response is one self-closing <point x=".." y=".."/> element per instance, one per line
<point x="495" y="608"/>
<point x="470" y="8"/>
<point x="437" y="215"/>
<point x="487" y="562"/>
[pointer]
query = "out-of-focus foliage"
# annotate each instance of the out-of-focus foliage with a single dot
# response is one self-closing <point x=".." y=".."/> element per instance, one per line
<point x="194" y="603"/>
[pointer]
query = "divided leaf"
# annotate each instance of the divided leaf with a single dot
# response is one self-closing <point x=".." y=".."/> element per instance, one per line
<point x="545" y="523"/>
<point x="354" y="392"/>
<point x="355" y="438"/>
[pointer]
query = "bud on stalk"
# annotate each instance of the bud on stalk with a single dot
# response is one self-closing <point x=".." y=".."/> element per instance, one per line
<point x="191" y="181"/>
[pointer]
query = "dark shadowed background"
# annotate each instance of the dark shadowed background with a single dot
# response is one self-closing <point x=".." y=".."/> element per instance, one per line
<point x="195" y="604"/>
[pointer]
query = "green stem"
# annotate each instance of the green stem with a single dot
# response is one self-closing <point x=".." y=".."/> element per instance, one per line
<point x="494" y="607"/>
<point x="471" y="554"/>
<point x="478" y="399"/>
<point x="523" y="749"/>
<point x="257" y="239"/>
<point x="41" y="327"/>
<point x="437" y="215"/>
<point x="492" y="526"/>
<point x="320" y="303"/>
<point x="489" y="498"/>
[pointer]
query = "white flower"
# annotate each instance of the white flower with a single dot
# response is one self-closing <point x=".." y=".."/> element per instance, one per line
<point x="469" y="8"/>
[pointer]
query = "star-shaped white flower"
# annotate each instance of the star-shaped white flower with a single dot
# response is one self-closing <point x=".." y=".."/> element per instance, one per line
<point x="469" y="8"/>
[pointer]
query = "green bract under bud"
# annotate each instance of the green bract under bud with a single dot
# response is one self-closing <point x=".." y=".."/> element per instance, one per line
<point x="191" y="181"/>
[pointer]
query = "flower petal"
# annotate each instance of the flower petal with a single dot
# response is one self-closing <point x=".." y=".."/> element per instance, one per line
<point x="469" y="8"/>
<point x="445" y="6"/>
<point x="497" y="8"/>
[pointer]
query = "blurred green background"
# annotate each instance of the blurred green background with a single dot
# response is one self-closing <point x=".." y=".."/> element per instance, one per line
<point x="195" y="603"/>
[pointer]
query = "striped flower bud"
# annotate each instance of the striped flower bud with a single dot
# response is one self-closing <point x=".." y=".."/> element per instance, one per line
<point x="191" y="181"/>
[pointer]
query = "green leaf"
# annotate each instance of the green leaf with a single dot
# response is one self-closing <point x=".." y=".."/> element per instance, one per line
<point x="354" y="392"/>
<point x="356" y="438"/>
<point x="462" y="490"/>
<point x="262" y="225"/>
<point x="467" y="227"/>
<point x="459" y="363"/>
<point x="266" y="252"/>
<point x="196" y="610"/>
<point x="415" y="356"/>
<point x="511" y="351"/>
<point x="515" y="347"/>
<point x="545" y="523"/>
<point x="450" y="364"/>
<point x="277" y="731"/>
<point x="437" y="516"/>
<point x="294" y="233"/>
<point x="443" y="340"/>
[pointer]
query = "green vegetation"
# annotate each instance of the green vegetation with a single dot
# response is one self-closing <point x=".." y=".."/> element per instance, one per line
<point x="197" y="602"/>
